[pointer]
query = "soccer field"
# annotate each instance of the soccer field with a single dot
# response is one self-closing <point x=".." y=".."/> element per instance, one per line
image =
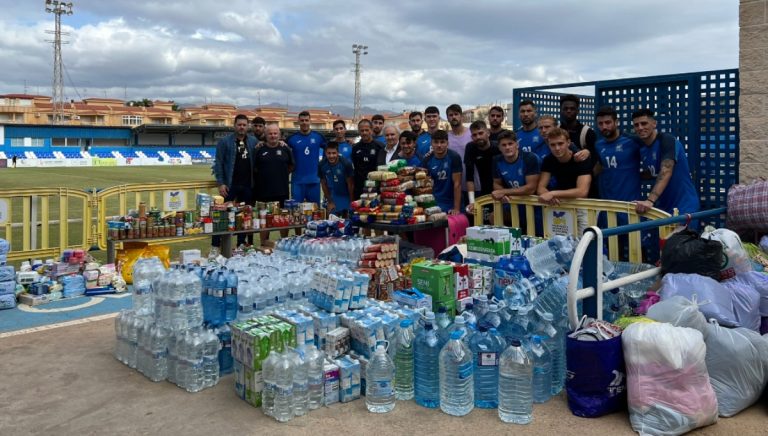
<point x="99" y="177"/>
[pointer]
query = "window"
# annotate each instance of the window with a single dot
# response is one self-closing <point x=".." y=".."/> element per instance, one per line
<point x="17" y="142"/>
<point x="132" y="120"/>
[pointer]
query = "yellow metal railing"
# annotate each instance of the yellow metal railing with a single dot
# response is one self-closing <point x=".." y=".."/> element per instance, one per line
<point x="117" y="200"/>
<point x="564" y="217"/>
<point x="42" y="222"/>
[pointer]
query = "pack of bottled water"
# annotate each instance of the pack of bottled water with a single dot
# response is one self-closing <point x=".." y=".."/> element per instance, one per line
<point x="338" y="290"/>
<point x="344" y="250"/>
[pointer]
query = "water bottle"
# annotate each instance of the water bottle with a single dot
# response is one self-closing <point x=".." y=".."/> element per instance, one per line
<point x="426" y="366"/>
<point x="224" y="356"/>
<point x="442" y="318"/>
<point x="283" y="376"/>
<point x="268" y="368"/>
<point x="300" y="382"/>
<point x="230" y="297"/>
<point x="552" y="299"/>
<point x="523" y="292"/>
<point x="194" y="292"/>
<point x="315" y="376"/>
<point x="379" y="374"/>
<point x="159" y="347"/>
<point x="460" y="325"/>
<point x="492" y="318"/>
<point x="558" y="375"/>
<point x="195" y="378"/>
<point x="210" y="358"/>
<point x="219" y="302"/>
<point x="549" y="258"/>
<point x="404" y="342"/>
<point x="469" y="316"/>
<point x="480" y="305"/>
<point x="172" y="358"/>
<point x="542" y="370"/>
<point x="515" y="385"/>
<point x="143" y="299"/>
<point x="456" y="377"/>
<point x="548" y="331"/>
<point x="486" y="346"/>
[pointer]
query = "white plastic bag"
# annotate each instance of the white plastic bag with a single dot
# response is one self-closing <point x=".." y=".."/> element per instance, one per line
<point x="714" y="300"/>
<point x="668" y="387"/>
<point x="737" y="258"/>
<point x="680" y="312"/>
<point x="737" y="382"/>
<point x="746" y="303"/>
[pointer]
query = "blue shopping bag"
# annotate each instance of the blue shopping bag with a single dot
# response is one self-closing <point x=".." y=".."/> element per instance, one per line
<point x="596" y="380"/>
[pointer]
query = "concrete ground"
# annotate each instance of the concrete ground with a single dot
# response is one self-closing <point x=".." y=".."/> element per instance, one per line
<point x="64" y="381"/>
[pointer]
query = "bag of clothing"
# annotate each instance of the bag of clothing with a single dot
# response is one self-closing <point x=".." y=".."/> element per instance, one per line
<point x="668" y="386"/>
<point x="686" y="252"/>
<point x="746" y="303"/>
<point x="680" y="312"/>
<point x="713" y="299"/>
<point x="736" y="257"/>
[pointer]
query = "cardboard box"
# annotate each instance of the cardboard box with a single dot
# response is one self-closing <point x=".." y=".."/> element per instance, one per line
<point x="331" y="383"/>
<point x="413" y="298"/>
<point x="437" y="280"/>
<point x="461" y="281"/>
<point x="487" y="243"/>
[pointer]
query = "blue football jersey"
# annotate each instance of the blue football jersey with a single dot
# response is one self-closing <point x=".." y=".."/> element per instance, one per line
<point x="307" y="151"/>
<point x="620" y="159"/>
<point x="680" y="192"/>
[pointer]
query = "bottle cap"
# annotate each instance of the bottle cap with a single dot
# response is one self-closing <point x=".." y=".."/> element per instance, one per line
<point x="514" y="342"/>
<point x="442" y="309"/>
<point x="546" y="316"/>
<point x="456" y="335"/>
<point x="406" y="323"/>
<point x="380" y="349"/>
<point x="459" y="320"/>
<point x="493" y="307"/>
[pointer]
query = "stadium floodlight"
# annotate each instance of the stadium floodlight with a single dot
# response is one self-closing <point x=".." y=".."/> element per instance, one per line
<point x="358" y="50"/>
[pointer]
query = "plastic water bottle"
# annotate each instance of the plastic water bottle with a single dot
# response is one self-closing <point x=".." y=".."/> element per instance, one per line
<point x="469" y="316"/>
<point x="486" y="346"/>
<point x="195" y="378"/>
<point x="492" y="318"/>
<point x="459" y="324"/>
<point x="245" y="300"/>
<point x="404" y="342"/>
<point x="552" y="299"/>
<point x="515" y="385"/>
<point x="542" y="370"/>
<point x="159" y="349"/>
<point x="549" y="258"/>
<point x="442" y="318"/>
<point x="194" y="308"/>
<point x="224" y="336"/>
<point x="551" y="335"/>
<point x="230" y="297"/>
<point x="480" y="305"/>
<point x="559" y="374"/>
<point x="283" y="377"/>
<point x="379" y="392"/>
<point x="210" y="358"/>
<point x="427" y="358"/>
<point x="300" y="383"/>
<point x="315" y="376"/>
<point x="268" y="368"/>
<point x="142" y="288"/>
<point x="523" y="292"/>
<point x="456" y="377"/>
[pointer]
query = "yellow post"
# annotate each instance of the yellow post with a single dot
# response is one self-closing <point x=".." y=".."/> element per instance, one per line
<point x="44" y="221"/>
<point x="26" y="223"/>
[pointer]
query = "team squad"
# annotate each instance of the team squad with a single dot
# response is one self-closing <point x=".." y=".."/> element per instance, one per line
<point x="554" y="161"/>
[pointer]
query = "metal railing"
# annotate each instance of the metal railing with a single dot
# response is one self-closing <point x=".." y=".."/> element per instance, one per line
<point x="565" y="216"/>
<point x="587" y="258"/>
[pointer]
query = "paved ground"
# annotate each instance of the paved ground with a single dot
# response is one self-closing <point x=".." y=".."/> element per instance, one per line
<point x="64" y="381"/>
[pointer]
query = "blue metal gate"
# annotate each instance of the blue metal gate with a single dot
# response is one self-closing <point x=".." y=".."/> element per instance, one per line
<point x="700" y="108"/>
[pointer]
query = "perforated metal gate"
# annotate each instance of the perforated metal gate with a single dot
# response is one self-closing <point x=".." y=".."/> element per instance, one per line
<point x="700" y="108"/>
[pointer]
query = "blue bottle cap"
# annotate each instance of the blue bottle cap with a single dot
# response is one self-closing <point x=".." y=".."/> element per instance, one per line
<point x="456" y="335"/>
<point x="406" y="323"/>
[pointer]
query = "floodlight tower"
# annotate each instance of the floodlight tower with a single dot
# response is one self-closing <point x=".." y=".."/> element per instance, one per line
<point x="58" y="8"/>
<point x="358" y="50"/>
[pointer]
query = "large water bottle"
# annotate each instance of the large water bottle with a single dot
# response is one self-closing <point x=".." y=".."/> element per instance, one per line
<point x="562" y="324"/>
<point x="486" y="346"/>
<point x="492" y="318"/>
<point x="219" y="304"/>
<point x="268" y="368"/>
<point x="194" y="291"/>
<point x="172" y="357"/>
<point x="456" y="377"/>
<point x="469" y="316"/>
<point x="315" y="376"/>
<point x="551" y="335"/>
<point x="515" y="385"/>
<point x="283" y="377"/>
<point x="548" y="259"/>
<point x="480" y="305"/>
<point x="230" y="297"/>
<point x="404" y="341"/>
<point x="459" y="324"/>
<point x="224" y="357"/>
<point x="426" y="365"/>
<point x="259" y="298"/>
<point x="523" y="292"/>
<point x="300" y="382"/>
<point x="379" y="374"/>
<point x="159" y="347"/>
<point x="542" y="370"/>
<point x="195" y="377"/>
<point x="210" y="358"/>
<point x="143" y="301"/>
<point x="552" y="299"/>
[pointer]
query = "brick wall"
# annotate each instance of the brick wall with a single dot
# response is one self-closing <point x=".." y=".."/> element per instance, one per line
<point x="753" y="101"/>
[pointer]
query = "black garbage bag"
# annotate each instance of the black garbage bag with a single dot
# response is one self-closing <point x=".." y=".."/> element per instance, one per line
<point x="686" y="252"/>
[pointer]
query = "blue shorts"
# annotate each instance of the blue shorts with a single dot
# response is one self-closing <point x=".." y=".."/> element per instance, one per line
<point x="305" y="192"/>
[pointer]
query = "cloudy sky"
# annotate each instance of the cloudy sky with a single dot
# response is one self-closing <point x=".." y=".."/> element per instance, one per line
<point x="420" y="52"/>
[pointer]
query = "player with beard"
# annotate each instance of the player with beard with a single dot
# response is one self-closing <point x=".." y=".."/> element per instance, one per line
<point x="495" y="119"/>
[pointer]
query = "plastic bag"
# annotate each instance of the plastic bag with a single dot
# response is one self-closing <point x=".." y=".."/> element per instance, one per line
<point x="668" y="387"/>
<point x="737" y="383"/>
<point x="686" y="252"/>
<point x="680" y="312"/>
<point x="595" y="384"/>
<point x="713" y="299"/>
<point x="736" y="257"/>
<point x="746" y="303"/>
<point x="759" y="282"/>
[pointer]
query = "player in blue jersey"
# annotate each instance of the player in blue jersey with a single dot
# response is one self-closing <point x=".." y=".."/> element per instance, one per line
<point x="306" y="145"/>
<point x="377" y="121"/>
<point x="618" y="159"/>
<point x="495" y="120"/>
<point x="528" y="136"/>
<point x="423" y="138"/>
<point x="667" y="162"/>
<point x="432" y="118"/>
<point x="336" y="180"/>
<point x="515" y="172"/>
<point x="408" y="149"/>
<point x="340" y="130"/>
<point x="445" y="168"/>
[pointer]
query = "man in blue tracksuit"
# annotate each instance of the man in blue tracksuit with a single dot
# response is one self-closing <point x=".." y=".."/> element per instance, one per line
<point x="307" y="146"/>
<point x="233" y="168"/>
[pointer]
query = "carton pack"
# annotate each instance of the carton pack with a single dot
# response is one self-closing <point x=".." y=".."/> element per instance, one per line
<point x="437" y="280"/>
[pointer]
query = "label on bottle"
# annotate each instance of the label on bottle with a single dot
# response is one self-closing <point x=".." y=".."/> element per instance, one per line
<point x="284" y="390"/>
<point x="465" y="371"/>
<point x="487" y="359"/>
<point x="382" y="388"/>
